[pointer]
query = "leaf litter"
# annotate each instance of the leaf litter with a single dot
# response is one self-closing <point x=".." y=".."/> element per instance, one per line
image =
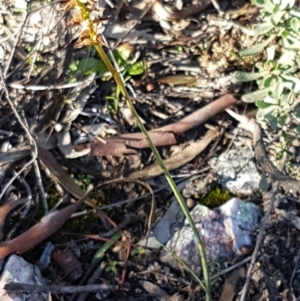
<point x="57" y="106"/>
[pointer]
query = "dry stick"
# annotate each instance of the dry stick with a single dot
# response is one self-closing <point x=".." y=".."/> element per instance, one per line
<point x="38" y="233"/>
<point x="200" y="116"/>
<point x="216" y="5"/>
<point x="14" y="155"/>
<point x="131" y="217"/>
<point x="44" y="88"/>
<point x="56" y="289"/>
<point x="162" y="136"/>
<point x="26" y="129"/>
<point x="29" y="197"/>
<point x="38" y="176"/>
<point x="258" y="242"/>
<point x="22" y="25"/>
<point x="40" y="185"/>
<point x="92" y="279"/>
<point x="227" y="270"/>
<point x="294" y="272"/>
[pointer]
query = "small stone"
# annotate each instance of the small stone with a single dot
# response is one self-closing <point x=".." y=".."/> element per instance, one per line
<point x="190" y="203"/>
<point x="16" y="269"/>
<point x="237" y="171"/>
<point x="149" y="87"/>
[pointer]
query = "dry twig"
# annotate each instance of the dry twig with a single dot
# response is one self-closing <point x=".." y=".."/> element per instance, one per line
<point x="56" y="289"/>
<point x="25" y="128"/>
<point x="258" y="242"/>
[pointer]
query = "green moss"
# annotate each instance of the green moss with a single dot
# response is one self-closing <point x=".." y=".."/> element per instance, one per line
<point x="216" y="197"/>
<point x="83" y="180"/>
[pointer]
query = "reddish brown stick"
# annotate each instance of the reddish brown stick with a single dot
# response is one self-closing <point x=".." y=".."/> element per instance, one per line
<point x="166" y="135"/>
<point x="36" y="234"/>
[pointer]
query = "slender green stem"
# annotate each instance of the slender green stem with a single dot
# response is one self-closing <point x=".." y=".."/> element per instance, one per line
<point x="159" y="160"/>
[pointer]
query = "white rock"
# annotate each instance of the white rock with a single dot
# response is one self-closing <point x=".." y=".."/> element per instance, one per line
<point x="17" y="269"/>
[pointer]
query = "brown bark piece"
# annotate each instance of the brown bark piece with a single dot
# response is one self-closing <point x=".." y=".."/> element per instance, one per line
<point x="230" y="285"/>
<point x="68" y="263"/>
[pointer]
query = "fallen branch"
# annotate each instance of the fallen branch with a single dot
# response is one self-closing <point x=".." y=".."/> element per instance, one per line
<point x="39" y="232"/>
<point x="163" y="136"/>
<point x="56" y="289"/>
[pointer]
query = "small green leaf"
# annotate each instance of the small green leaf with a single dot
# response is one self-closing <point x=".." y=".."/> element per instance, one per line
<point x="281" y="120"/>
<point x="136" y="69"/>
<point x="105" y="247"/>
<point x="294" y="43"/>
<point x="262" y="113"/>
<point x="284" y="134"/>
<point x="254" y="96"/>
<point x="295" y="24"/>
<point x="269" y="81"/>
<point x="263" y="28"/>
<point x="263" y="105"/>
<point x="178" y="48"/>
<point x="275" y="9"/>
<point x="256" y="48"/>
<point x="272" y="121"/>
<point x="89" y="65"/>
<point x="278" y="90"/>
<point x="73" y="66"/>
<point x="287" y="58"/>
<point x="258" y="2"/>
<point x="269" y="6"/>
<point x="284" y="33"/>
<point x="277" y="17"/>
<point x="247" y="76"/>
